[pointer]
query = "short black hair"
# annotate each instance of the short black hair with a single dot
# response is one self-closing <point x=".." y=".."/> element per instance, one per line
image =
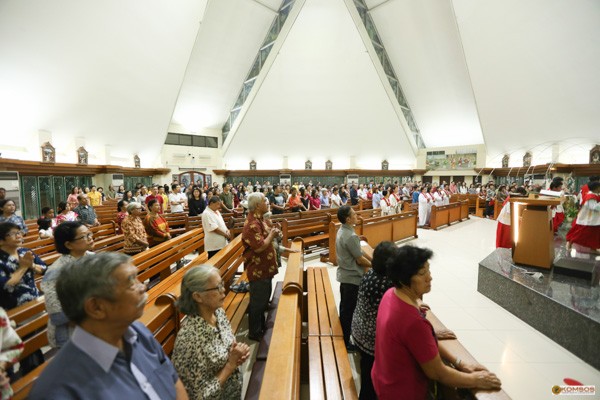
<point x="62" y="206"/>
<point x="64" y="233"/>
<point x="214" y="199"/>
<point x="6" y="227"/>
<point x="382" y="253"/>
<point x="593" y="185"/>
<point x="151" y="203"/>
<point x="405" y="263"/>
<point x="120" y="205"/>
<point x="44" y="223"/>
<point x="343" y="213"/>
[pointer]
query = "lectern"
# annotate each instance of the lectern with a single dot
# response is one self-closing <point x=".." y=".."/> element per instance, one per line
<point x="531" y="230"/>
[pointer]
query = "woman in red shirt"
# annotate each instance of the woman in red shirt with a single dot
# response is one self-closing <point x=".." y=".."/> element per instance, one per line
<point x="315" y="201"/>
<point x="407" y="359"/>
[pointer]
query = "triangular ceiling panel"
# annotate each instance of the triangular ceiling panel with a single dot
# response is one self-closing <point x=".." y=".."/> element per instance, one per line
<point x="322" y="97"/>
<point x="423" y="43"/>
<point x="224" y="51"/>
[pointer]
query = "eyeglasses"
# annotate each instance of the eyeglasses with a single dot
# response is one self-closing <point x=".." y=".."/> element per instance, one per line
<point x="88" y="236"/>
<point x="220" y="287"/>
<point x="15" y="234"/>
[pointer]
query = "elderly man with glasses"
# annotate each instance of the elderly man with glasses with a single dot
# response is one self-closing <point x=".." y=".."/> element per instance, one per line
<point x="110" y="354"/>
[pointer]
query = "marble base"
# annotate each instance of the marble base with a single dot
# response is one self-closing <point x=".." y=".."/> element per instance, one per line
<point x="564" y="308"/>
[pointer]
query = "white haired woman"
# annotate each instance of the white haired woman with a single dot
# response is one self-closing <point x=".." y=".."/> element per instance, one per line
<point x="260" y="261"/>
<point x="206" y="355"/>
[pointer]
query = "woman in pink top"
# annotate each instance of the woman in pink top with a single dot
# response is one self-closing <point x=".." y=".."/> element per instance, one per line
<point x="314" y="201"/>
<point x="408" y="362"/>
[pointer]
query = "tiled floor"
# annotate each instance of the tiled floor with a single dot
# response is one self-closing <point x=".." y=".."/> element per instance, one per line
<point x="527" y="362"/>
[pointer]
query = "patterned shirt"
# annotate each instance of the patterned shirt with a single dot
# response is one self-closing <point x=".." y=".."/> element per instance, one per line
<point x="201" y="351"/>
<point x="25" y="290"/>
<point x="85" y="214"/>
<point x="133" y="231"/>
<point x="370" y="291"/>
<point x="258" y="265"/>
<point x="58" y="323"/>
<point x="12" y="347"/>
<point x="15" y="219"/>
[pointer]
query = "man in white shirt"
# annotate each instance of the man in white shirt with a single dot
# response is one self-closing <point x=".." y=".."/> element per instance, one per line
<point x="177" y="200"/>
<point x="215" y="230"/>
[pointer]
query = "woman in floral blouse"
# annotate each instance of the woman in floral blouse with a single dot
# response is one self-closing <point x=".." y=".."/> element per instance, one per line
<point x="11" y="347"/>
<point x="134" y="232"/>
<point x="206" y="355"/>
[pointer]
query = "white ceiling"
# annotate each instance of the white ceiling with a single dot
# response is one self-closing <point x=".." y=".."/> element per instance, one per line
<point x="515" y="75"/>
<point x="105" y="72"/>
<point x="534" y="69"/>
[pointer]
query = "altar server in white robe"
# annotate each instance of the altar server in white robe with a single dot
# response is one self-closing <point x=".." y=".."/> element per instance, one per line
<point x="424" y="206"/>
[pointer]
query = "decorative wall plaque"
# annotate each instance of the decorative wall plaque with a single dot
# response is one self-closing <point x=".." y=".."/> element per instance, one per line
<point x="505" y="161"/>
<point x="385" y="165"/>
<point x="253" y="165"/>
<point x="82" y="156"/>
<point x="328" y="165"/>
<point x="595" y="155"/>
<point x="308" y="164"/>
<point x="48" y="153"/>
<point x="527" y="159"/>
<point x="136" y="161"/>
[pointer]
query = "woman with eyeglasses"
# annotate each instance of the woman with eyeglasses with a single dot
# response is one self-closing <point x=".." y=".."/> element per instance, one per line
<point x="73" y="240"/>
<point x="206" y="355"/>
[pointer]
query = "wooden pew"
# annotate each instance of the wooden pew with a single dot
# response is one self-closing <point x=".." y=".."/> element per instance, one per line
<point x="313" y="231"/>
<point x="177" y="223"/>
<point x="158" y="259"/>
<point x="364" y="204"/>
<point x="456" y="348"/>
<point x="392" y="228"/>
<point x="330" y="374"/>
<point x="227" y="260"/>
<point x="32" y="321"/>
<point x="448" y="214"/>
<point x="281" y="372"/>
<point x="479" y="207"/>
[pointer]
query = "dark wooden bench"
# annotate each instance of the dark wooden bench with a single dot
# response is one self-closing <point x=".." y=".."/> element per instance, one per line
<point x="330" y="374"/>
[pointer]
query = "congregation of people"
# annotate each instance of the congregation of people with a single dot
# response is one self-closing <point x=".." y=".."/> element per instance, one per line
<point x="94" y="300"/>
